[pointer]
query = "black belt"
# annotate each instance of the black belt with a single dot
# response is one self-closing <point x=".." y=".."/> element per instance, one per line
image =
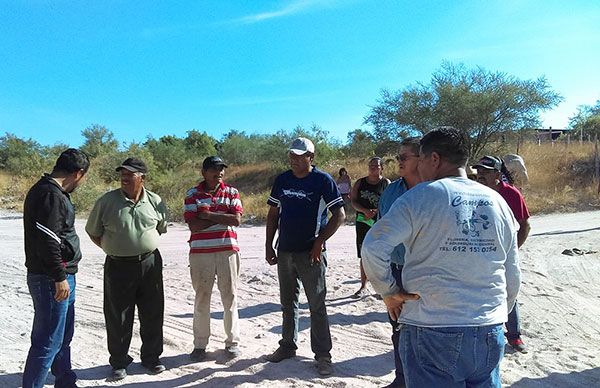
<point x="136" y="258"/>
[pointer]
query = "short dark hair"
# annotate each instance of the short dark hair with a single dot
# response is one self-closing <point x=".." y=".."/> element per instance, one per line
<point x="377" y="158"/>
<point x="448" y="142"/>
<point x="70" y="161"/>
<point x="414" y="143"/>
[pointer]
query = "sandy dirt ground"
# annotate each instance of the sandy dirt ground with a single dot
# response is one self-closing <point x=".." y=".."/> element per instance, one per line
<point x="560" y="307"/>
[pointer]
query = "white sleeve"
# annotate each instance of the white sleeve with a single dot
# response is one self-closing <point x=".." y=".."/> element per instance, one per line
<point x="513" y="272"/>
<point x="388" y="232"/>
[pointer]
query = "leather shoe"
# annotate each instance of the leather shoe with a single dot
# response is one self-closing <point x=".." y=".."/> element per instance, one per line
<point x="198" y="355"/>
<point x="155" y="368"/>
<point x="119" y="374"/>
<point x="280" y="354"/>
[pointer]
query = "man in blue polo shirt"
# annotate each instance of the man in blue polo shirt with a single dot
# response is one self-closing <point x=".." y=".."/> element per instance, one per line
<point x="299" y="201"/>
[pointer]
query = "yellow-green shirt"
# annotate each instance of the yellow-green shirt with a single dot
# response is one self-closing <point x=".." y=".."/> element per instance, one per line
<point x="127" y="228"/>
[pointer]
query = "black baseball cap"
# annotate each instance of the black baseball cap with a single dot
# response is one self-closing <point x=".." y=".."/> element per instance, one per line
<point x="133" y="165"/>
<point x="489" y="163"/>
<point x="213" y="161"/>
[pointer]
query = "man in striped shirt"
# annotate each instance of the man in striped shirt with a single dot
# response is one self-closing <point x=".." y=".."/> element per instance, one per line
<point x="212" y="211"/>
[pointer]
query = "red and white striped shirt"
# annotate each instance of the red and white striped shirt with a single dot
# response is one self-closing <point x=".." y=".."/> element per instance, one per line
<point x="219" y="237"/>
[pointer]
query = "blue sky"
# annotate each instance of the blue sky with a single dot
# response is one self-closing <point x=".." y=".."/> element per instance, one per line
<point x="154" y="68"/>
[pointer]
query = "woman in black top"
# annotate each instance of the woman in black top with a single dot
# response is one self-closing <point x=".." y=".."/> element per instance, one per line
<point x="365" y="200"/>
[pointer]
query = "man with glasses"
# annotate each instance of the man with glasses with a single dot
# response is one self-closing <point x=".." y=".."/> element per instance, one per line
<point x="212" y="211"/>
<point x="408" y="161"/>
<point x="298" y="204"/>
<point x="126" y="223"/>
<point x="461" y="272"/>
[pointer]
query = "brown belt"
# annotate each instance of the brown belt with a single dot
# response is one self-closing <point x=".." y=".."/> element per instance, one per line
<point x="136" y="258"/>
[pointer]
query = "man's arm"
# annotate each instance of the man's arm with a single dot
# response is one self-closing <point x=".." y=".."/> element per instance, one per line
<point x="393" y="229"/>
<point x="523" y="232"/>
<point x="272" y="225"/>
<point x="94" y="227"/>
<point x="48" y="222"/>
<point x="96" y="240"/>
<point x="221" y="218"/>
<point x="197" y="225"/>
<point x="338" y="215"/>
<point x="513" y="274"/>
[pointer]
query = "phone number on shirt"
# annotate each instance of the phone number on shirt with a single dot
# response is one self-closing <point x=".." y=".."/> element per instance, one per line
<point x="468" y="249"/>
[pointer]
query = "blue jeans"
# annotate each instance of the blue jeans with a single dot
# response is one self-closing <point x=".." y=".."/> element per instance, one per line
<point x="51" y="334"/>
<point x="513" y="327"/>
<point x="293" y="268"/>
<point x="452" y="356"/>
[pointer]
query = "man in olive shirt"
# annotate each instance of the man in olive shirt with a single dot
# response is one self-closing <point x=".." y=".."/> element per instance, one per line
<point x="126" y="224"/>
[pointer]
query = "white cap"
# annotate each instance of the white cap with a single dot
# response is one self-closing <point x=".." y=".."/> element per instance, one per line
<point x="302" y="145"/>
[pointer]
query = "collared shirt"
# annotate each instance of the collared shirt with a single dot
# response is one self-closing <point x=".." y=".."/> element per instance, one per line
<point x="127" y="228"/>
<point x="303" y="204"/>
<point x="391" y="193"/>
<point x="461" y="254"/>
<point x="216" y="238"/>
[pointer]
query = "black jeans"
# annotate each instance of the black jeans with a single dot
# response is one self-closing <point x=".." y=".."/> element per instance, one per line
<point x="128" y="284"/>
<point x="293" y="267"/>
<point x="397" y="273"/>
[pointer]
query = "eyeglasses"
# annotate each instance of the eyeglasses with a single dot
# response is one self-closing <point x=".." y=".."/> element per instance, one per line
<point x="405" y="157"/>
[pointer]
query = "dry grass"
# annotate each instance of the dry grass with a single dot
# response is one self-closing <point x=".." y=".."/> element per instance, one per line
<point x="561" y="177"/>
<point x="560" y="180"/>
<point x="13" y="190"/>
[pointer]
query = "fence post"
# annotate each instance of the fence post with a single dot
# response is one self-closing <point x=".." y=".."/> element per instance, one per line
<point x="596" y="159"/>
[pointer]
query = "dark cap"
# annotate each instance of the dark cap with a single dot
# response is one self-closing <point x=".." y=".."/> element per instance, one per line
<point x="489" y="163"/>
<point x="133" y="165"/>
<point x="213" y="161"/>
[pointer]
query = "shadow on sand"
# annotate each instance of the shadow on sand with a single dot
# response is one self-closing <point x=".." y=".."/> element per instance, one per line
<point x="586" y="378"/>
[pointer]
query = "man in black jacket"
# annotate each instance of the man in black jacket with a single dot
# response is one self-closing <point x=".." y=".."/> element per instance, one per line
<point x="51" y="257"/>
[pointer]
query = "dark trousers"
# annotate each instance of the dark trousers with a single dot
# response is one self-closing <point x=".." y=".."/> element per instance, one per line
<point x="361" y="233"/>
<point x="293" y="268"/>
<point x="399" y="379"/>
<point x="513" y="326"/>
<point x="128" y="284"/>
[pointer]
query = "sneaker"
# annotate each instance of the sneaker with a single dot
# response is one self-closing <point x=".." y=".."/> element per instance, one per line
<point x="155" y="367"/>
<point x="118" y="374"/>
<point x="198" y="355"/>
<point x="233" y="351"/>
<point x="280" y="354"/>
<point x="517" y="344"/>
<point x="324" y="366"/>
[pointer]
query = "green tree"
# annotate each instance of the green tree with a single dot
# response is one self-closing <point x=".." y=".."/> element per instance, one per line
<point x="199" y="144"/>
<point x="21" y="157"/>
<point x="586" y="120"/>
<point x="360" y="143"/>
<point x="98" y="141"/>
<point x="484" y="104"/>
<point x="239" y="148"/>
<point x="168" y="152"/>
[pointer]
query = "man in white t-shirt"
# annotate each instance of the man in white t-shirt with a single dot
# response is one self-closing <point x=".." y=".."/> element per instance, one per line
<point x="461" y="274"/>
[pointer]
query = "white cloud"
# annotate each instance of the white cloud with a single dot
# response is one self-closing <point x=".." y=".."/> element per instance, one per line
<point x="292" y="8"/>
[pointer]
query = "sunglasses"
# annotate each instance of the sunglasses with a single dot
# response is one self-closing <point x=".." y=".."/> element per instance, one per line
<point x="404" y="158"/>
